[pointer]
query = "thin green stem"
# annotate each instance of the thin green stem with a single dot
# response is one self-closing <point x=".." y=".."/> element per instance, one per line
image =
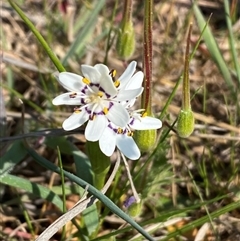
<point x="147" y="56"/>
<point x="169" y="100"/>
<point x="40" y="38"/>
<point x="63" y="233"/>
<point x="109" y="42"/>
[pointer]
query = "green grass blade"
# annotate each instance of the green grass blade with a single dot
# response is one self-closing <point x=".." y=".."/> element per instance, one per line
<point x="34" y="188"/>
<point x="83" y="169"/>
<point x="84" y="33"/>
<point x="20" y="96"/>
<point x="231" y="39"/>
<point x="213" y="47"/>
<point x="15" y="153"/>
<point x="40" y="38"/>
<point x="92" y="190"/>
<point x="202" y="220"/>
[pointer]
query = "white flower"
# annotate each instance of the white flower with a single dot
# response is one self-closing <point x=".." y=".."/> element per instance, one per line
<point x="128" y="81"/>
<point x="100" y="99"/>
<point x="122" y="137"/>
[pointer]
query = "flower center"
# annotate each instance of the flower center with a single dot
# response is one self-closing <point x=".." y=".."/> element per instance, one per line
<point x="94" y="98"/>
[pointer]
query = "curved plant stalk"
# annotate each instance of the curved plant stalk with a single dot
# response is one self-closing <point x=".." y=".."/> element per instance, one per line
<point x="92" y="190"/>
<point x="80" y="206"/>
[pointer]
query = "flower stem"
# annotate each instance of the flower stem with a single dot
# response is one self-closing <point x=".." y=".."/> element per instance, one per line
<point x="147" y="56"/>
<point x="127" y="17"/>
<point x="40" y="38"/>
<point x="186" y="85"/>
<point x="125" y="44"/>
<point x="135" y="194"/>
<point x="100" y="163"/>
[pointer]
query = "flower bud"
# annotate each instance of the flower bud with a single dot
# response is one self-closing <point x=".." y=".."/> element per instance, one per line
<point x="126" y="40"/>
<point x="100" y="163"/>
<point x="145" y="139"/>
<point x="185" y="124"/>
<point x="133" y="208"/>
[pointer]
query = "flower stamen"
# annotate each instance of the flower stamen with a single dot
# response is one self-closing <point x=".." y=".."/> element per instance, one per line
<point x="100" y="94"/>
<point x="77" y="110"/>
<point x="86" y="81"/>
<point x="105" y="110"/>
<point x="119" y="130"/>
<point x="117" y="83"/>
<point x="113" y="73"/>
<point x="130" y="133"/>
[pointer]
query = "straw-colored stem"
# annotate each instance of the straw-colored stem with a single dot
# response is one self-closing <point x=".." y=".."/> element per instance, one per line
<point x="135" y="194"/>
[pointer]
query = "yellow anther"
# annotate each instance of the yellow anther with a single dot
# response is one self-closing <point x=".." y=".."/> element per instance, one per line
<point x="130" y="133"/>
<point x="117" y="83"/>
<point x="77" y="111"/>
<point x="105" y="110"/>
<point x="119" y="130"/>
<point x="86" y="81"/>
<point x="144" y="114"/>
<point x="100" y="94"/>
<point x="113" y="73"/>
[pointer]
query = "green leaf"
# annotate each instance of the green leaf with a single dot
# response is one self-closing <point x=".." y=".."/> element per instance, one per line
<point x="34" y="188"/>
<point x="15" y="153"/>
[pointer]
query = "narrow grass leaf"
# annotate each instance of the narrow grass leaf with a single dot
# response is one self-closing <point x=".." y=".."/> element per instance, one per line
<point x="92" y="190"/>
<point x="231" y="39"/>
<point x="84" y="171"/>
<point x="40" y="38"/>
<point x="34" y="188"/>
<point x="14" y="154"/>
<point x="20" y="96"/>
<point x="205" y="219"/>
<point x="213" y="47"/>
<point x="163" y="216"/>
<point x="81" y="38"/>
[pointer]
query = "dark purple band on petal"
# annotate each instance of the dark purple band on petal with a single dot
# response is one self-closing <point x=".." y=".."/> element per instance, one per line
<point x="131" y="122"/>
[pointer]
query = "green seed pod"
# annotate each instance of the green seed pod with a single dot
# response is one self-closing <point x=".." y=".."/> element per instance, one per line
<point x="133" y="208"/>
<point x="126" y="40"/>
<point x="185" y="125"/>
<point x="145" y="139"/>
<point x="100" y="163"/>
